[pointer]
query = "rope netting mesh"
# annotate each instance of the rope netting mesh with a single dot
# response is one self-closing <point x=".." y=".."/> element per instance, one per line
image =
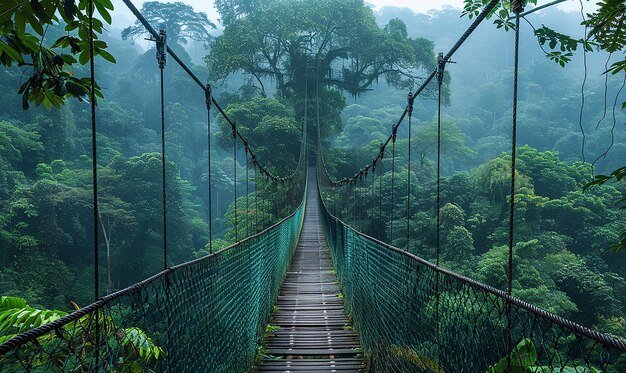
<point x="413" y="316"/>
<point x="205" y="315"/>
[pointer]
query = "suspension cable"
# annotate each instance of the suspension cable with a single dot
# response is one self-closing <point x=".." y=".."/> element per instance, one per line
<point x="408" y="175"/>
<point x="155" y="35"/>
<point x="372" y="224"/>
<point x="381" y="230"/>
<point x="234" y="128"/>
<point x="208" y="177"/>
<point x="247" y="191"/>
<point x="161" y="43"/>
<point x="477" y="20"/>
<point x="256" y="200"/>
<point x="94" y="170"/>
<point x="440" y="75"/>
<point x="517" y="8"/>
<point x="394" y="130"/>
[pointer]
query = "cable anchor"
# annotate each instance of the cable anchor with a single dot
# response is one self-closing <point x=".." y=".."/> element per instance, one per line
<point x="207" y="94"/>
<point x="518" y="6"/>
<point x="161" y="47"/>
<point x="441" y="64"/>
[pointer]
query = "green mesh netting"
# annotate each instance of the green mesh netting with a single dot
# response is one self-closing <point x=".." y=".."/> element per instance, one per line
<point x="202" y="316"/>
<point x="414" y="317"/>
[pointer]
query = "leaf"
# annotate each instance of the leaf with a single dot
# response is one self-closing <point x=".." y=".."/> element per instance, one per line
<point x="12" y="53"/>
<point x="523" y="356"/>
<point x="19" y="24"/>
<point x="26" y="318"/>
<point x="103" y="12"/>
<point x="34" y="23"/>
<point x="106" y="55"/>
<point x="70" y="9"/>
<point x="5" y="338"/>
<point x="38" y="9"/>
<point x="106" y="3"/>
<point x="7" y="302"/>
<point x="83" y="58"/>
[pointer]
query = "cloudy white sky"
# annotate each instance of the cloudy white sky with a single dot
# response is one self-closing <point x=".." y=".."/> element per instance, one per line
<point x="124" y="17"/>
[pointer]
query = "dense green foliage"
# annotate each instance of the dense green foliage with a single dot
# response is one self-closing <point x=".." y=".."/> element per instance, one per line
<point x="49" y="57"/>
<point x="137" y="350"/>
<point x="563" y="233"/>
<point x="45" y="168"/>
<point x="178" y="19"/>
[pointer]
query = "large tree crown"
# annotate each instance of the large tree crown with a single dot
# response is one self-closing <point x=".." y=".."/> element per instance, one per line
<point x="180" y="21"/>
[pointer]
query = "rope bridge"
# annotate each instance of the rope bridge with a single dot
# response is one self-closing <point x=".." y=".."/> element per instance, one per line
<point x="413" y="316"/>
<point x="410" y="315"/>
<point x="201" y="316"/>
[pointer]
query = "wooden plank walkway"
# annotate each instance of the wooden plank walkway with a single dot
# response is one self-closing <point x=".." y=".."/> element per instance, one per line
<point x="314" y="334"/>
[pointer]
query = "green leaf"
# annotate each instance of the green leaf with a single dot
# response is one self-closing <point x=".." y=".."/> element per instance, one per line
<point x="83" y="58"/>
<point x="12" y="53"/>
<point x="103" y="12"/>
<point x="106" y="55"/>
<point x="12" y="302"/>
<point x="106" y="3"/>
<point x="70" y="9"/>
<point x="523" y="356"/>
<point x="19" y="24"/>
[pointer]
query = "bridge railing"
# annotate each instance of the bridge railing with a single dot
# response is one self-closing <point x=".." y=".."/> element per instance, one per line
<point x="202" y="316"/>
<point x="413" y="316"/>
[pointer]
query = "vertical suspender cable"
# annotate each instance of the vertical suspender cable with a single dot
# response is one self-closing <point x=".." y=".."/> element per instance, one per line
<point x="208" y="177"/>
<point x="354" y="220"/>
<point x="306" y="118"/>
<point x="234" y="127"/>
<point x="275" y="199"/>
<point x="394" y="130"/>
<point x="408" y="176"/>
<point x="161" y="53"/>
<point x="256" y="199"/>
<point x="440" y="71"/>
<point x="94" y="170"/>
<point x="380" y="193"/>
<point x="372" y="224"/>
<point x="247" y="192"/>
<point x="517" y="8"/>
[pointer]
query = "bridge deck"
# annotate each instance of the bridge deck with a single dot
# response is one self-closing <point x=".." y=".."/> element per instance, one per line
<point x="314" y="333"/>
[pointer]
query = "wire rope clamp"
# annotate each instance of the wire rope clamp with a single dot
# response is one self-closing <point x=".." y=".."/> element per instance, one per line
<point x="208" y="95"/>
<point x="394" y="132"/>
<point x="441" y="64"/>
<point x="410" y="100"/>
<point x="161" y="47"/>
<point x="517" y="6"/>
<point x="234" y="128"/>
<point x="382" y="151"/>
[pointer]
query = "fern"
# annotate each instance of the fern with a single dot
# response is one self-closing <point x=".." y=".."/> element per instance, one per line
<point x="16" y="316"/>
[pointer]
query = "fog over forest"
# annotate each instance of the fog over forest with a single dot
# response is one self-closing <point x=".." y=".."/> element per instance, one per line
<point x="570" y="128"/>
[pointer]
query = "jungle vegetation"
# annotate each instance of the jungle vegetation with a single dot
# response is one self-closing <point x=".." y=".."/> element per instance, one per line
<point x="266" y="68"/>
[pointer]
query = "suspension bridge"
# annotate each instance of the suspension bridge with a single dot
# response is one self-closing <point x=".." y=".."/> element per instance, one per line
<point x="312" y="292"/>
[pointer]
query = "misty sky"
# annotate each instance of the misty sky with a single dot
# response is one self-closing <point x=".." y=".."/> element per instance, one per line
<point x="123" y="17"/>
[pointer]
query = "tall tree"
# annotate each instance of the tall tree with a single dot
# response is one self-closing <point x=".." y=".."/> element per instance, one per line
<point x="339" y="40"/>
<point x="178" y="19"/>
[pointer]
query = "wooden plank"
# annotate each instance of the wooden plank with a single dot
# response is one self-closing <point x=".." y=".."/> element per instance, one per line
<point x="314" y="333"/>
